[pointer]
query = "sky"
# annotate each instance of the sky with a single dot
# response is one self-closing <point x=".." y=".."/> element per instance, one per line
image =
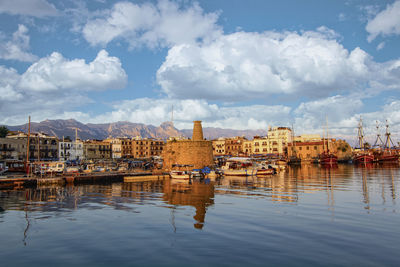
<point x="232" y="64"/>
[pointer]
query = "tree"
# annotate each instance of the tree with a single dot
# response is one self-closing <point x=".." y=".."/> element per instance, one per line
<point x="3" y="131"/>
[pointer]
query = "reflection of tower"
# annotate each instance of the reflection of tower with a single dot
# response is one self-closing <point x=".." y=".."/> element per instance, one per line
<point x="198" y="194"/>
<point x="197" y="131"/>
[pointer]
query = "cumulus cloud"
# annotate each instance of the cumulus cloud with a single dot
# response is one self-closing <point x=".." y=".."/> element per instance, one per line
<point x="247" y="65"/>
<point x="163" y="24"/>
<point x="156" y="111"/>
<point x="385" y="23"/>
<point x="17" y="48"/>
<point x="55" y="73"/>
<point x="55" y="85"/>
<point x="8" y="79"/>
<point x="35" y="8"/>
<point x="337" y="109"/>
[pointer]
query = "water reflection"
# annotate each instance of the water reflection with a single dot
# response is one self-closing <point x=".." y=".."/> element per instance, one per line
<point x="199" y="194"/>
<point x="285" y="187"/>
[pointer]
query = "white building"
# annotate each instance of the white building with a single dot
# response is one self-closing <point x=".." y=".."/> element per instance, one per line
<point x="70" y="150"/>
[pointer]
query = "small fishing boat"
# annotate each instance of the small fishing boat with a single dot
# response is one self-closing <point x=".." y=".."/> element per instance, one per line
<point x="183" y="175"/>
<point x="239" y="167"/>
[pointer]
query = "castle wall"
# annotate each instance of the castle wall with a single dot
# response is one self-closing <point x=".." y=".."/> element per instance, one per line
<point x="187" y="152"/>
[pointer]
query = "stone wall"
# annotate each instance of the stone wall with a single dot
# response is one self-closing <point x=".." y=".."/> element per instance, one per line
<point x="187" y="152"/>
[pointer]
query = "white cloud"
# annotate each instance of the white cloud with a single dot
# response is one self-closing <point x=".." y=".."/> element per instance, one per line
<point x="163" y="24"/>
<point x="385" y="23"/>
<point x="55" y="73"/>
<point x="17" y="47"/>
<point x="380" y="46"/>
<point x="337" y="109"/>
<point x="35" y="8"/>
<point x="8" y="79"/>
<point x="156" y="111"/>
<point x="246" y="65"/>
<point x="55" y="85"/>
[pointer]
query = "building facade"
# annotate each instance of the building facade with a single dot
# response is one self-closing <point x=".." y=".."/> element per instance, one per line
<point x="42" y="147"/>
<point x="13" y="149"/>
<point x="219" y="147"/>
<point x="96" y="149"/>
<point x="70" y="150"/>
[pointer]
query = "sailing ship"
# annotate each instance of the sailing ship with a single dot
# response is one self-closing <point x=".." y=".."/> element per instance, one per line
<point x="326" y="157"/>
<point x="363" y="155"/>
<point x="388" y="153"/>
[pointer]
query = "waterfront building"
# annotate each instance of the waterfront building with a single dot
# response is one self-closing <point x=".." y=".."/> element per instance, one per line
<point x="248" y="147"/>
<point x="234" y="145"/>
<point x="96" y="149"/>
<point x="12" y="149"/>
<point x="278" y="139"/>
<point x="116" y="146"/>
<point x="70" y="150"/>
<point x="146" y="148"/>
<point x="306" y="151"/>
<point x="310" y="150"/>
<point x="196" y="152"/>
<point x="260" y="146"/>
<point x="41" y="146"/>
<point x="219" y="147"/>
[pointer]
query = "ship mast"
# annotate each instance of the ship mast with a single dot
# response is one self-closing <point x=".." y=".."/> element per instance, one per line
<point x="27" y="145"/>
<point x="388" y="140"/>
<point x="378" y="136"/>
<point x="361" y="135"/>
<point x="327" y="134"/>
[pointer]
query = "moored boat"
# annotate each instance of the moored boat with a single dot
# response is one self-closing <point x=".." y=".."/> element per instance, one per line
<point x="363" y="155"/>
<point x="239" y="167"/>
<point x="182" y="175"/>
<point x="328" y="158"/>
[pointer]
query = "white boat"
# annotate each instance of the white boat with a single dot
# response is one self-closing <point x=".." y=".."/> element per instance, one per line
<point x="239" y="167"/>
<point x="265" y="168"/>
<point x="182" y="175"/>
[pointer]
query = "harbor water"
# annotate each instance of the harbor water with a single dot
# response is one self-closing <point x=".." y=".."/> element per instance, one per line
<point x="308" y="215"/>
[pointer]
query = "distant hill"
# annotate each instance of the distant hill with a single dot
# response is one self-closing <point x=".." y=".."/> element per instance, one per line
<point x="66" y="128"/>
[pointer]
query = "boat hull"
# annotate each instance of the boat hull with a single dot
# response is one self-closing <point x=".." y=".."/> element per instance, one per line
<point x="245" y="172"/>
<point x="328" y="159"/>
<point x="265" y="172"/>
<point x="364" y="158"/>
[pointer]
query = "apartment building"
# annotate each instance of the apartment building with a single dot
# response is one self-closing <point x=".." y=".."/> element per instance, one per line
<point x="219" y="147"/>
<point x="13" y="149"/>
<point x="41" y="146"/>
<point x="70" y="150"/>
<point x="96" y="149"/>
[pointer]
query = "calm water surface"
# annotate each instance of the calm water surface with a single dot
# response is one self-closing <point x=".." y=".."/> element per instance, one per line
<point x="306" y="216"/>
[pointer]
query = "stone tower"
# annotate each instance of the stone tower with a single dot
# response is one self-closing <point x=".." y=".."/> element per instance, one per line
<point x="197" y="131"/>
<point x="196" y="152"/>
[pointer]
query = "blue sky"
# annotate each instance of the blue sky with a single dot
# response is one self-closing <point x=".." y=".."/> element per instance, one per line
<point x="232" y="64"/>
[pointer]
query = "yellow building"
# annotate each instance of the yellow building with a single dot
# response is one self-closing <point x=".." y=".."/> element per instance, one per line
<point x="146" y="148"/>
<point x="234" y="146"/>
<point x="219" y="147"/>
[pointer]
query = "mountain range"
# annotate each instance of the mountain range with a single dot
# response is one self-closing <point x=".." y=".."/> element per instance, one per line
<point x="64" y="128"/>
